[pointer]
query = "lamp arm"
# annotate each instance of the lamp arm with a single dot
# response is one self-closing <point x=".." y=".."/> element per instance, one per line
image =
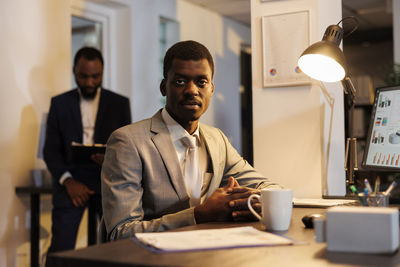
<point x="351" y="161"/>
<point x="349" y="88"/>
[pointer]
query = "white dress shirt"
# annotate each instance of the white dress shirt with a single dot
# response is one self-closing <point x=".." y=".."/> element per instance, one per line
<point x="89" y="108"/>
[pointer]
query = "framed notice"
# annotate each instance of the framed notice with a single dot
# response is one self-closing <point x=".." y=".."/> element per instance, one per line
<point x="284" y="38"/>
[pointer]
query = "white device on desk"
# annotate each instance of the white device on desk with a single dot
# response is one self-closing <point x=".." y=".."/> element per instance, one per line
<point x="359" y="229"/>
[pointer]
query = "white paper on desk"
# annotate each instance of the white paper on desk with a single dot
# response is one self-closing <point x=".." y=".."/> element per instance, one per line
<point x="211" y="239"/>
<point x="321" y="203"/>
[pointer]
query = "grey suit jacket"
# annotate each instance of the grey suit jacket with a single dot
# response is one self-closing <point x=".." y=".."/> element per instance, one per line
<point x="143" y="188"/>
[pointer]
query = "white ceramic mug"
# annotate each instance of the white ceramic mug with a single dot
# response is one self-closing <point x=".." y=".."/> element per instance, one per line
<point x="276" y="208"/>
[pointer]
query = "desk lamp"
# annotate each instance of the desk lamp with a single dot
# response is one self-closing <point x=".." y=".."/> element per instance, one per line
<point x="325" y="61"/>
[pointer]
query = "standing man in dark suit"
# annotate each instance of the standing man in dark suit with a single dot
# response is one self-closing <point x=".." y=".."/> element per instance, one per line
<point x="86" y="115"/>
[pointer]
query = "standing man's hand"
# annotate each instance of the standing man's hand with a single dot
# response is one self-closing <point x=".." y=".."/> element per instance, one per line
<point x="217" y="207"/>
<point x="77" y="191"/>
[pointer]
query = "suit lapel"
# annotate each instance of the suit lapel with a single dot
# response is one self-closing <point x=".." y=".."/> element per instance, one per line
<point x="162" y="141"/>
<point x="76" y="115"/>
<point x="103" y="103"/>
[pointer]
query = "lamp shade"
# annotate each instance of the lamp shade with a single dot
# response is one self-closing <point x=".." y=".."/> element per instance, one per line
<point x="324" y="60"/>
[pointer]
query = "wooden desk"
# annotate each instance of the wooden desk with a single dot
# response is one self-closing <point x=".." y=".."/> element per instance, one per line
<point x="128" y="253"/>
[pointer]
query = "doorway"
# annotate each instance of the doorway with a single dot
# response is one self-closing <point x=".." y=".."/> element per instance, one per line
<point x="84" y="32"/>
<point x="246" y="103"/>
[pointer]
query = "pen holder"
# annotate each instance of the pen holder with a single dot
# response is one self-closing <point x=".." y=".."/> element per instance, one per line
<point x="374" y="200"/>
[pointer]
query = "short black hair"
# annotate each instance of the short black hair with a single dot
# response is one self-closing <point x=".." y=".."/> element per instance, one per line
<point x="187" y="50"/>
<point x="90" y="53"/>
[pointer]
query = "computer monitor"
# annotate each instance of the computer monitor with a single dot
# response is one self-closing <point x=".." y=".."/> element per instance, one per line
<point x="382" y="149"/>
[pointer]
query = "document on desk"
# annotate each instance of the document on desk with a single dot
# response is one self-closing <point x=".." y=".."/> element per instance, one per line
<point x="210" y="239"/>
<point x="322" y="203"/>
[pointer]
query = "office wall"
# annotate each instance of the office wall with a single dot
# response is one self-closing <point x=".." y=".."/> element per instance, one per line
<point x="34" y="65"/>
<point x="222" y="36"/>
<point x="298" y="130"/>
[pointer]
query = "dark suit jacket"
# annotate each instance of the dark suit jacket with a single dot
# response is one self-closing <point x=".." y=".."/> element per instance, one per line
<point x="64" y="125"/>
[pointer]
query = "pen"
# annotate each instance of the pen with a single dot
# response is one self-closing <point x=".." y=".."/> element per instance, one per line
<point x="354" y="190"/>
<point x="366" y="191"/>
<point x="377" y="184"/>
<point x="364" y="199"/>
<point x="367" y="186"/>
<point x="392" y="185"/>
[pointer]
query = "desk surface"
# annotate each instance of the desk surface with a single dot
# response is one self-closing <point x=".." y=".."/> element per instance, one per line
<point x="128" y="253"/>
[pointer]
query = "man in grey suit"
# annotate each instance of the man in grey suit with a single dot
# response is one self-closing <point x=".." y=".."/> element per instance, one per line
<point x="145" y="186"/>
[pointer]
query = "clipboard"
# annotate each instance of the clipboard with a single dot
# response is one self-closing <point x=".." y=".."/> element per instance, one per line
<point x="80" y="154"/>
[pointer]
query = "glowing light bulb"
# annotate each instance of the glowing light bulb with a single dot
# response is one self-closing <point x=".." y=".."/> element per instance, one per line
<point x="322" y="68"/>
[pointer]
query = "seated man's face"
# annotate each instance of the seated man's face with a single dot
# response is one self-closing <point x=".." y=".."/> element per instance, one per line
<point x="188" y="88"/>
<point x="88" y="76"/>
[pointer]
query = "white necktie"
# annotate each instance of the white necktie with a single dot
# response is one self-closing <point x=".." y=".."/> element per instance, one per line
<point x="191" y="170"/>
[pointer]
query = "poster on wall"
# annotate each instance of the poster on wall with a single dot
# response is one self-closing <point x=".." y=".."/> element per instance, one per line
<point x="284" y="37"/>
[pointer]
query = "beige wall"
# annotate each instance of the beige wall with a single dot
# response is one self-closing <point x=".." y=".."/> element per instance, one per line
<point x="34" y="65"/>
<point x="298" y="134"/>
